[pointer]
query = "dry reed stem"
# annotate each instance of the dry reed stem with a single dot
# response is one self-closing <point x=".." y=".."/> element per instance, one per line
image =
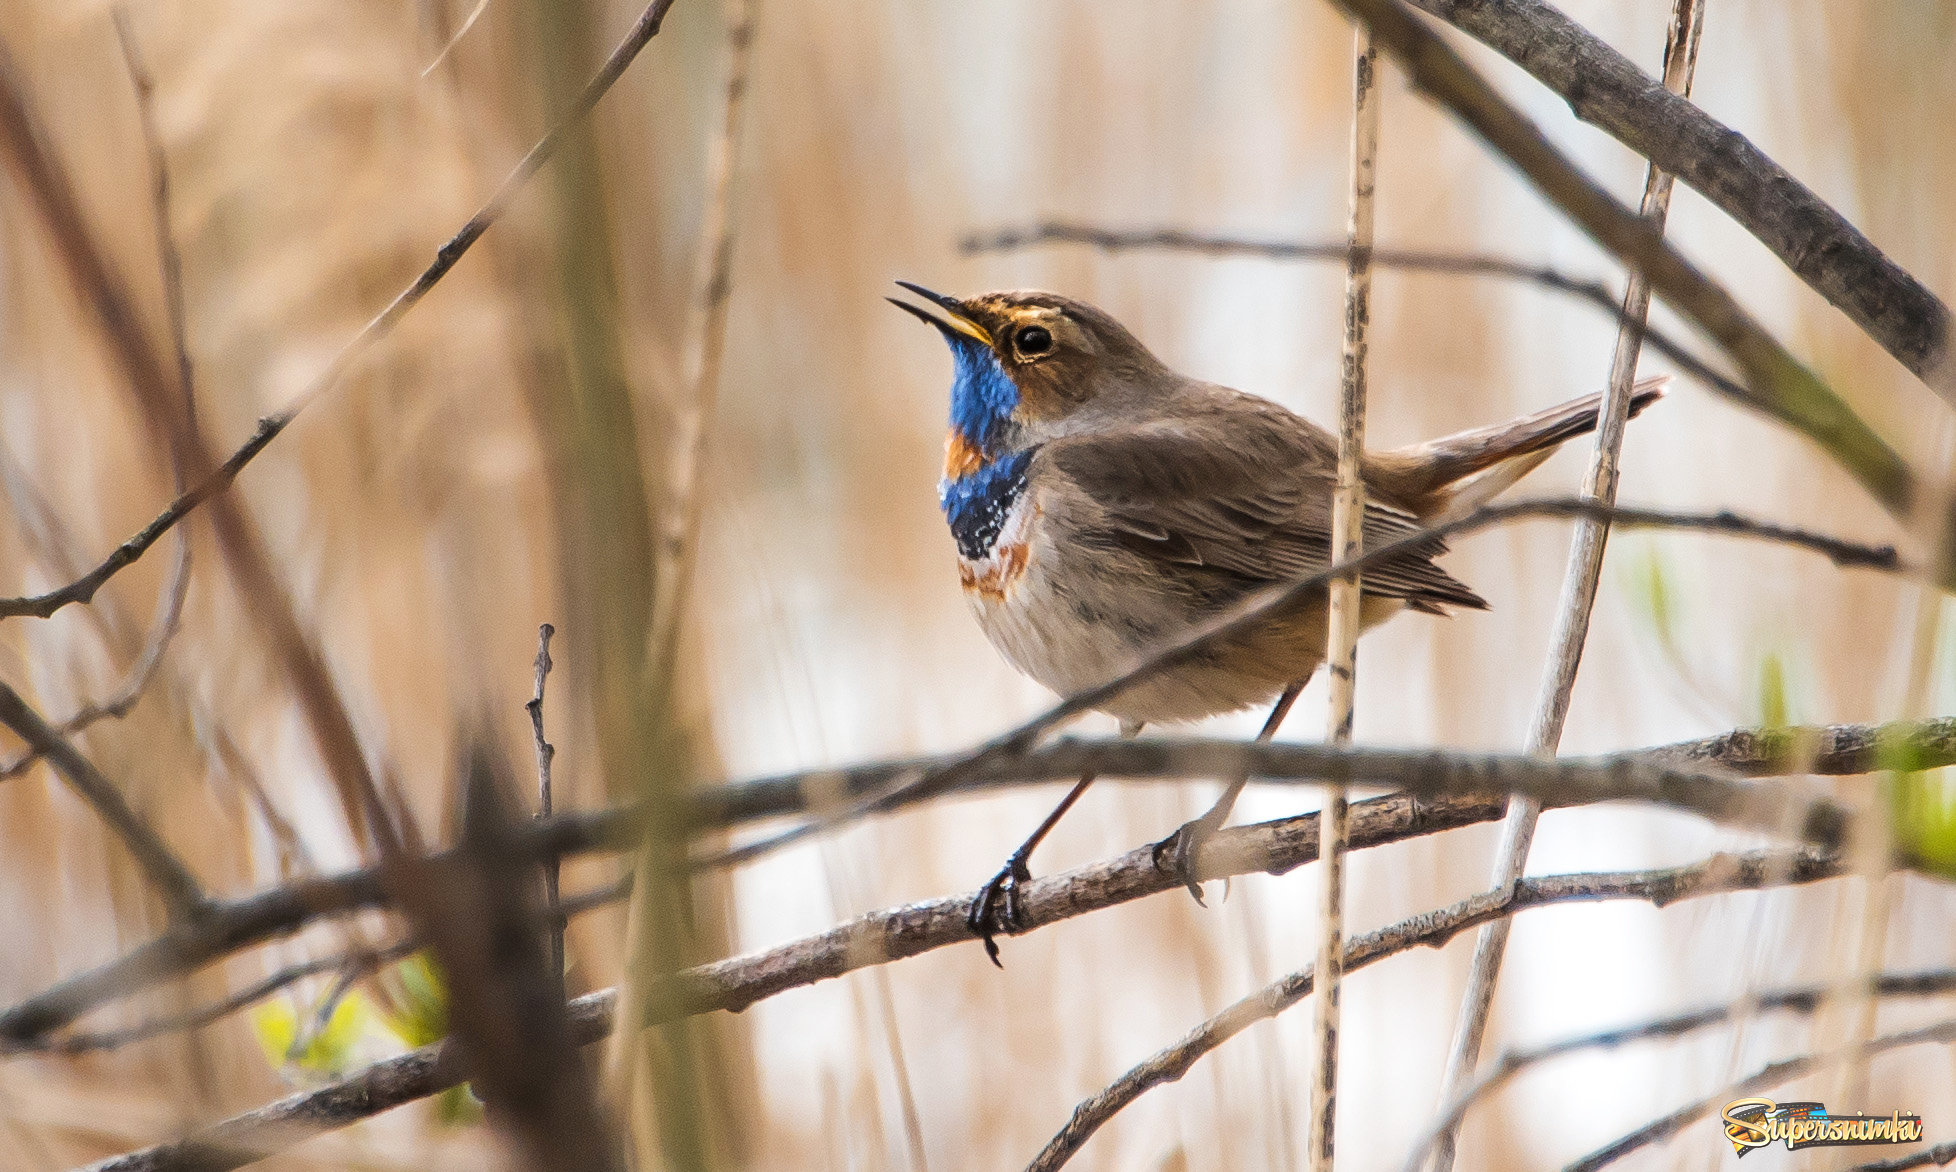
<point x="1579" y="582"/>
<point x="1347" y="543"/>
<point x="1440" y="791"/>
<point x="1780" y="384"/>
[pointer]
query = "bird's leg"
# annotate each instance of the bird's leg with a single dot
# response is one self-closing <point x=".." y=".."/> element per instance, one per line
<point x="1176" y="853"/>
<point x="996" y="907"/>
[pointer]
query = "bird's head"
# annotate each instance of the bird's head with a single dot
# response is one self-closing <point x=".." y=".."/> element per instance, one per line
<point x="1030" y="365"/>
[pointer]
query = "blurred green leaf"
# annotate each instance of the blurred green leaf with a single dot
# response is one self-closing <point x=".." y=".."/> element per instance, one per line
<point x="420" y="1016"/>
<point x="1774" y="709"/>
<point x="326" y="1052"/>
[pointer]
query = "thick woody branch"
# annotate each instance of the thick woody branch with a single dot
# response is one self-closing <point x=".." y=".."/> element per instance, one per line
<point x="1716" y="875"/>
<point x="1781" y="385"/>
<point x="1604" y="88"/>
<point x="896" y="933"/>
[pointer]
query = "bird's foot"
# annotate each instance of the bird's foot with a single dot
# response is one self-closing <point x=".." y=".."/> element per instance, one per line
<point x="1176" y="854"/>
<point x="995" y="909"/>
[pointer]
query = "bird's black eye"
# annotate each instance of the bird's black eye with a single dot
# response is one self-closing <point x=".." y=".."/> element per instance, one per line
<point x="1033" y="341"/>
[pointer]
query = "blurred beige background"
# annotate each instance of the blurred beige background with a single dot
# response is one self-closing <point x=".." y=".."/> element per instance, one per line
<point x="318" y="167"/>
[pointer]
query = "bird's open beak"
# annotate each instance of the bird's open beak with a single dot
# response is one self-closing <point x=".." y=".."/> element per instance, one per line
<point x="958" y="323"/>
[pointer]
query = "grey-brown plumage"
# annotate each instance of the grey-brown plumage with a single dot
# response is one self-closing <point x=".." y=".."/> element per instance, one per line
<point x="1152" y="501"/>
<point x="1105" y="506"/>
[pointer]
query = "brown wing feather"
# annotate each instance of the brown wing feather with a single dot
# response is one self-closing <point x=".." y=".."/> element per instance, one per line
<point x="1245" y="491"/>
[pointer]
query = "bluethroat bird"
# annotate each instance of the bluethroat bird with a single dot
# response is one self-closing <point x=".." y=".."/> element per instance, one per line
<point x="1104" y="506"/>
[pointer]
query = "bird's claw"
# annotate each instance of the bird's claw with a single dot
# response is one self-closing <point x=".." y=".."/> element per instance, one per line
<point x="1175" y="855"/>
<point x="995" y="909"/>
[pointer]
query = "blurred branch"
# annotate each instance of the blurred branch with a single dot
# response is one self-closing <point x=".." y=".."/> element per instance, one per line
<point x="1780" y="384"/>
<point x="157" y="395"/>
<point x="354" y="963"/>
<point x="1579" y="582"/>
<point x="480" y="917"/>
<point x="172" y="880"/>
<point x="1772" y="1074"/>
<point x="1467" y="264"/>
<point x="1715" y="875"/>
<point x="1938" y="1156"/>
<point x="1253" y="609"/>
<point x="1605" y="89"/>
<point x="900" y="932"/>
<point x="713" y="292"/>
<point x="1803" y="1000"/>
<point x="228" y="926"/>
<point x="13" y="128"/>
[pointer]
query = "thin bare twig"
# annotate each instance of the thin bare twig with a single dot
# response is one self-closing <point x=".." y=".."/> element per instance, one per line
<point x="1807" y="999"/>
<point x="1591" y="292"/>
<point x="217" y="480"/>
<point x="1253" y="609"/>
<point x="897" y="933"/>
<point x="1781" y="385"/>
<point x="1718" y="874"/>
<point x="172" y="880"/>
<point x="1579" y="582"/>
<point x="546" y="753"/>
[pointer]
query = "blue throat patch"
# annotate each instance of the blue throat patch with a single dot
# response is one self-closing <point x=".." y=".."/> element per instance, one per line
<point x="982" y="394"/>
<point x="983" y="397"/>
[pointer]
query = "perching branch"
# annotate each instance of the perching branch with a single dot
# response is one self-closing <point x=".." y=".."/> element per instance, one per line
<point x="1468" y="788"/>
<point x="1781" y="385"/>
<point x="1607" y="90"/>
<point x="371" y="334"/>
<point x="900" y="932"/>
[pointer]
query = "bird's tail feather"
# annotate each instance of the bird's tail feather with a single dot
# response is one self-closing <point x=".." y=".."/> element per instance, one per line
<point x="1469" y="468"/>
